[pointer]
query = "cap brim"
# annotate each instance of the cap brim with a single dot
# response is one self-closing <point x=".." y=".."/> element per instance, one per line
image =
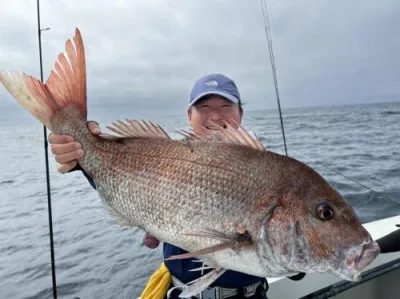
<point x="219" y="93"/>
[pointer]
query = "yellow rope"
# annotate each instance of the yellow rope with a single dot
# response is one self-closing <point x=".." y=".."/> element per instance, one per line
<point x="158" y="284"/>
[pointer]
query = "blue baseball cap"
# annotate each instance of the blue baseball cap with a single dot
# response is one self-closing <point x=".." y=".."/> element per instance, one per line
<point x="214" y="84"/>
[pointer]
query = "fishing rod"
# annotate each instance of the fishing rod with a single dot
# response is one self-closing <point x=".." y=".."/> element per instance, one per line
<point x="53" y="270"/>
<point x="273" y="67"/>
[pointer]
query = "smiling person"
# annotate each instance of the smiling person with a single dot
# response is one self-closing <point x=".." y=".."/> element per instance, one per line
<point x="214" y="99"/>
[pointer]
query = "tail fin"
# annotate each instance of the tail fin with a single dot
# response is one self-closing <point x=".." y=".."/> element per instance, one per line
<point x="65" y="87"/>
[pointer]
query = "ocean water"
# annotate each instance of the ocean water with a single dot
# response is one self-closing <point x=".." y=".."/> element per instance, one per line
<point x="95" y="258"/>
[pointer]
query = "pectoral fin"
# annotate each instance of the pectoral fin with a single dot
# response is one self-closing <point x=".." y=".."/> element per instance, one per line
<point x="237" y="241"/>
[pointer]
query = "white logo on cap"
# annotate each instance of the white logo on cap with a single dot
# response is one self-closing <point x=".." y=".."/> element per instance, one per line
<point x="212" y="83"/>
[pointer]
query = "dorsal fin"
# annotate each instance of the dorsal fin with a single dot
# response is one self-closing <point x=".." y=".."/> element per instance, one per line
<point x="134" y="128"/>
<point x="229" y="134"/>
<point x="131" y="128"/>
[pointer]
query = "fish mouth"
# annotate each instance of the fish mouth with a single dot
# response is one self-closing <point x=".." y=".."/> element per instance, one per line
<point x="357" y="259"/>
<point x="369" y="252"/>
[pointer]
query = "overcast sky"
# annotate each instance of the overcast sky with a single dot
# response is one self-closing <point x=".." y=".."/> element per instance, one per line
<point x="150" y="52"/>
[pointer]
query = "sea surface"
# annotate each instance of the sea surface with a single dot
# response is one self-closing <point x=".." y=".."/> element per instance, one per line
<point x="356" y="148"/>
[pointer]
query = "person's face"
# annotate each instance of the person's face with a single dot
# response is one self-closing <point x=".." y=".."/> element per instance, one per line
<point x="215" y="109"/>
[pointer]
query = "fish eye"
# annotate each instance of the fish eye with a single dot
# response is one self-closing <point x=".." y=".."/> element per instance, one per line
<point x="325" y="212"/>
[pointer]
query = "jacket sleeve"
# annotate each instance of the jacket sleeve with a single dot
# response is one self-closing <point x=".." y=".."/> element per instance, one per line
<point x="91" y="182"/>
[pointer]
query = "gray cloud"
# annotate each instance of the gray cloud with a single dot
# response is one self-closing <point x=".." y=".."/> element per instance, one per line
<point x="150" y="52"/>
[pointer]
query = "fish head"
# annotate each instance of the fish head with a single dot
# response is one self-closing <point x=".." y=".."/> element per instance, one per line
<point x="313" y="229"/>
<point x="335" y="239"/>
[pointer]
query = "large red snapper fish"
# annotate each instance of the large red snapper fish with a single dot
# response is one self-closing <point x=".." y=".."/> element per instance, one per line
<point x="226" y="200"/>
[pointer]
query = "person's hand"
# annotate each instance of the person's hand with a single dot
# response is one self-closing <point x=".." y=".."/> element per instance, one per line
<point x="66" y="150"/>
<point x="150" y="242"/>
